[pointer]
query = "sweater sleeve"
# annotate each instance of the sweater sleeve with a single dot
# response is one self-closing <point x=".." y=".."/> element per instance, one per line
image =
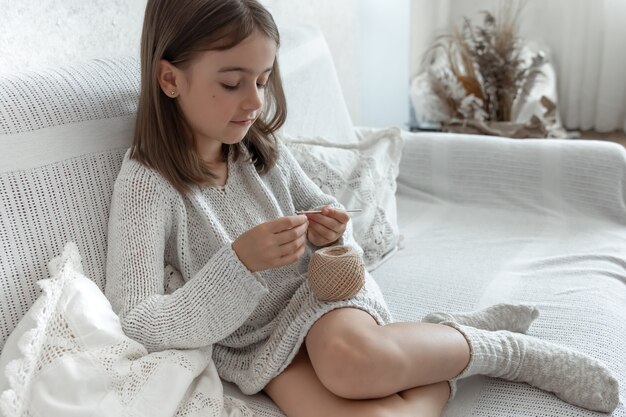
<point x="209" y="307"/>
<point x="307" y="195"/>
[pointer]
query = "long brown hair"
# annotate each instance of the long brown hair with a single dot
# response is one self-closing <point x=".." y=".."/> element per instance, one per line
<point x="177" y="30"/>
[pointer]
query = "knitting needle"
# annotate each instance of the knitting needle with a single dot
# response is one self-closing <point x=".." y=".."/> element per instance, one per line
<point x="319" y="211"/>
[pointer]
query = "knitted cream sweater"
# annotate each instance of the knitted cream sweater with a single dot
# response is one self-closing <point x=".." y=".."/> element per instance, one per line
<point x="257" y="321"/>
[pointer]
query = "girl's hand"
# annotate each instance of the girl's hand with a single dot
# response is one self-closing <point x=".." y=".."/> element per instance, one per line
<point x="327" y="227"/>
<point x="272" y="244"/>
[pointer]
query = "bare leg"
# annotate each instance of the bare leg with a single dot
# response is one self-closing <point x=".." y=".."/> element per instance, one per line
<point x="299" y="393"/>
<point x="356" y="358"/>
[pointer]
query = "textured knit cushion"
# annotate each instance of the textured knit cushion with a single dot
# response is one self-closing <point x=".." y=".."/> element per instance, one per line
<point x="69" y="356"/>
<point x="360" y="176"/>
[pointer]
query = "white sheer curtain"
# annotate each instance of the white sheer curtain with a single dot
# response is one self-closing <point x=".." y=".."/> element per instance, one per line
<point x="587" y="39"/>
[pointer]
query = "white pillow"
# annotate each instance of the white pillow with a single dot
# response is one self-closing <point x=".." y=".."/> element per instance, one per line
<point x="69" y="357"/>
<point x="360" y="175"/>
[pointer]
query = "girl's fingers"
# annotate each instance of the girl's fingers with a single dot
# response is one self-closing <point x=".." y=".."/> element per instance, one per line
<point x="285" y="223"/>
<point x="322" y="234"/>
<point x="337" y="214"/>
<point x="292" y="247"/>
<point x="292" y="257"/>
<point x="326" y="221"/>
<point x="314" y="238"/>
<point x="287" y="236"/>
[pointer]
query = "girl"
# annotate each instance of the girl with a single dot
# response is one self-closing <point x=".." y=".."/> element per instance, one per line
<point x="209" y="190"/>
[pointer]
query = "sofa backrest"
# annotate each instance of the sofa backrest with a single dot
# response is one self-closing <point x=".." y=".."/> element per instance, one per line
<point x="63" y="133"/>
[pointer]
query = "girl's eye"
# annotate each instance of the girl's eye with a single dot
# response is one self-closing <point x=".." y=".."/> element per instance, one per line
<point x="230" y="87"/>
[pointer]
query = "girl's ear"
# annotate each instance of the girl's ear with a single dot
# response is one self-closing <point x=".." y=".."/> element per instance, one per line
<point x="168" y="75"/>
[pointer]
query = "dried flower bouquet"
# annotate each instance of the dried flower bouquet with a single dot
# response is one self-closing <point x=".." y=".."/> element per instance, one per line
<point x="480" y="78"/>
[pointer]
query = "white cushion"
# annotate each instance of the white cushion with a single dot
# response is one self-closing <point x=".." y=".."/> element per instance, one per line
<point x="361" y="176"/>
<point x="69" y="357"/>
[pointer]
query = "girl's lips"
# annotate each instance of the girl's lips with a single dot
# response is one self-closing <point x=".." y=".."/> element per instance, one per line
<point x="246" y="122"/>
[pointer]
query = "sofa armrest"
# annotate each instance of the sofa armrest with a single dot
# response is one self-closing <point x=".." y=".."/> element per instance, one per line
<point x="546" y="175"/>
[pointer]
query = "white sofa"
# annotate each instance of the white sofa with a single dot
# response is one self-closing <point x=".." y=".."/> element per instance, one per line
<point x="483" y="219"/>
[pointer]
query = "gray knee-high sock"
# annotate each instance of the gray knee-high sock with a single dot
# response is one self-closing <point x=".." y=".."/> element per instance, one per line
<point x="572" y="376"/>
<point x="512" y="317"/>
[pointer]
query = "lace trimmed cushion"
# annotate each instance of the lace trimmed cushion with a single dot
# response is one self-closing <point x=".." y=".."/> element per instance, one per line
<point x="69" y="356"/>
<point x="360" y="175"/>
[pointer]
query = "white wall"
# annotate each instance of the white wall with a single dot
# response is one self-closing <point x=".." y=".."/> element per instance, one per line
<point x="52" y="32"/>
<point x="385" y="46"/>
<point x="427" y="21"/>
<point x="339" y="21"/>
<point x="368" y="40"/>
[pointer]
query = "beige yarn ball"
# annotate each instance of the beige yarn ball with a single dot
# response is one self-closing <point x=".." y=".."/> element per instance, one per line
<point x="336" y="273"/>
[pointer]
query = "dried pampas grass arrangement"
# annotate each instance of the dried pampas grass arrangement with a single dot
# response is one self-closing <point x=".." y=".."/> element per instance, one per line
<point x="478" y="72"/>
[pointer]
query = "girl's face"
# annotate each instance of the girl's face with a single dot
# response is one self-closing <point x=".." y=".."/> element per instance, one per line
<point x="222" y="93"/>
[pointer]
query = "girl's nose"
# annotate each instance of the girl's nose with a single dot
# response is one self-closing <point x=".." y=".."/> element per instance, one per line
<point x="254" y="98"/>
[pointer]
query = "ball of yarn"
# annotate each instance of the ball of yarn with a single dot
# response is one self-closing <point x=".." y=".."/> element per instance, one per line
<point x="336" y="273"/>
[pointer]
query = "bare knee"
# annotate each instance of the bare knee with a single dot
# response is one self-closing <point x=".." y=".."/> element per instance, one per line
<point x="352" y="365"/>
<point x="339" y="367"/>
